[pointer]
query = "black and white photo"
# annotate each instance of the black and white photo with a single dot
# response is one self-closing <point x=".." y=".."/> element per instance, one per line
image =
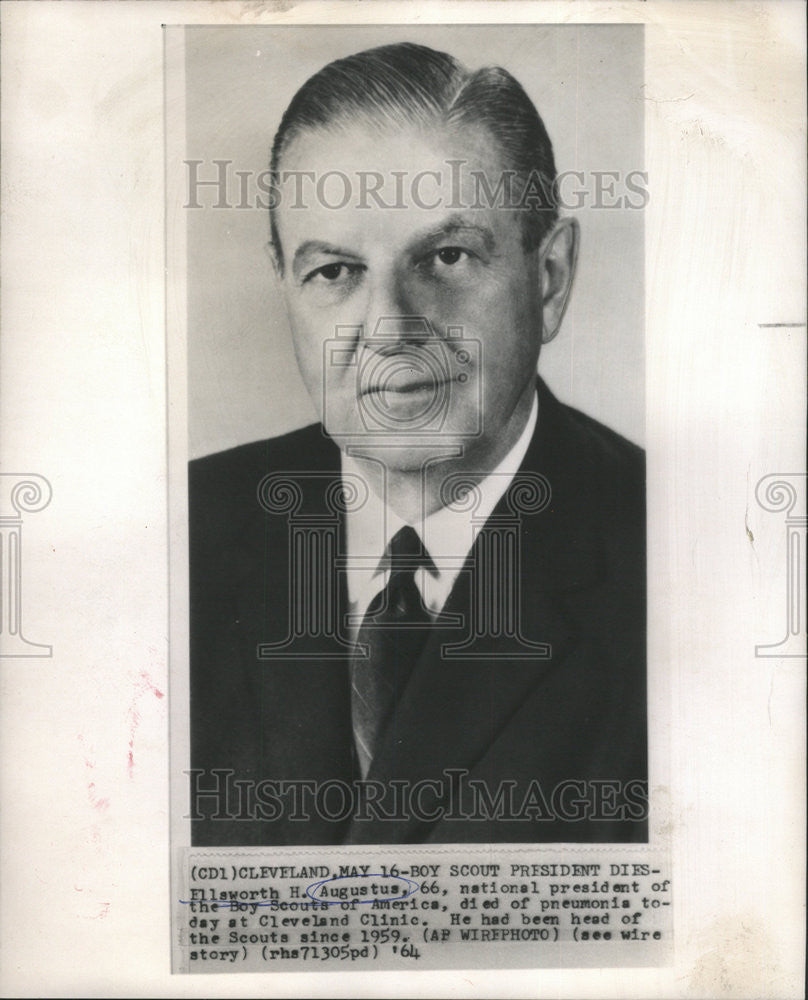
<point x="421" y="617"/>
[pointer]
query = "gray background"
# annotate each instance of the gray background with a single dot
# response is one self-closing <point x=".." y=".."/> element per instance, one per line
<point x="587" y="83"/>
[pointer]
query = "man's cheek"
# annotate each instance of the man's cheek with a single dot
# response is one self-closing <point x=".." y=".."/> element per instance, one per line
<point x="309" y="360"/>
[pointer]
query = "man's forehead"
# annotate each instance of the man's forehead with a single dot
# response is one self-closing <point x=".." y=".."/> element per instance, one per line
<point x="355" y="233"/>
<point x="356" y="184"/>
<point x="369" y="146"/>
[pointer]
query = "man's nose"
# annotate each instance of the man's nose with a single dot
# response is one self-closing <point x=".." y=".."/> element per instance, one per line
<point x="393" y="319"/>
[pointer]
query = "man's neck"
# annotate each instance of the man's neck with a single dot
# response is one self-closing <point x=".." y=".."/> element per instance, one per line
<point x="415" y="493"/>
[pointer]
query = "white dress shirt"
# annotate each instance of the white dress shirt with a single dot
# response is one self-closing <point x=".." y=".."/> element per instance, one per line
<point x="447" y="535"/>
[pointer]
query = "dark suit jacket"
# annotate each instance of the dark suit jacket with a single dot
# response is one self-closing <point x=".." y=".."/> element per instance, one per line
<point x="546" y="749"/>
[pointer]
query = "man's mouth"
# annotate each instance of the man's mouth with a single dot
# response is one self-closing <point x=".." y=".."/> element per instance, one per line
<point x="406" y="388"/>
<point x="405" y="378"/>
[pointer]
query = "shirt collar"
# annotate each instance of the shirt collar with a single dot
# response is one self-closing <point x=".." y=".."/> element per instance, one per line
<point x="448" y="534"/>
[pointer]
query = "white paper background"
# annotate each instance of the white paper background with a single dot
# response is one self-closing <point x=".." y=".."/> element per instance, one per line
<point x="85" y="889"/>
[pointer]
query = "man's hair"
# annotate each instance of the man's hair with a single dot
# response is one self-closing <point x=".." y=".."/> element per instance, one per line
<point x="412" y="85"/>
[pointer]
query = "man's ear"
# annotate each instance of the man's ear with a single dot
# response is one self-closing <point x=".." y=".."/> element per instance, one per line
<point x="557" y="267"/>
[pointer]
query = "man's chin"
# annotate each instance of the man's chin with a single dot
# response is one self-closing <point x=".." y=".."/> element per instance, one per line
<point x="404" y="453"/>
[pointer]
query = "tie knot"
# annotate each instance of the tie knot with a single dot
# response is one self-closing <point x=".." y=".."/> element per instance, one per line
<point x="406" y="552"/>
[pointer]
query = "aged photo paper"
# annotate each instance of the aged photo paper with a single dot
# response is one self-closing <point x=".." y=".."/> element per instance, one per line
<point x="403" y="418"/>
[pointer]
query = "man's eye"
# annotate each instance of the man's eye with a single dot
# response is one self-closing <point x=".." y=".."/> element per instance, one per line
<point x="450" y="255"/>
<point x="332" y="273"/>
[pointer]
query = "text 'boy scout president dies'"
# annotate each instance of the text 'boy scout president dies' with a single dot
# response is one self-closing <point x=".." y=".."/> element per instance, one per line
<point x="421" y="619"/>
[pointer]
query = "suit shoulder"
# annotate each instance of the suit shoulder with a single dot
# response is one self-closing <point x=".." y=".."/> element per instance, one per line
<point x="604" y="444"/>
<point x="275" y="451"/>
<point x="596" y="467"/>
<point x="301" y="450"/>
<point x="222" y="487"/>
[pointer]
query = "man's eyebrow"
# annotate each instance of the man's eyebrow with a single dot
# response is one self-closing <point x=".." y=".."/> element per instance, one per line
<point x="457" y="226"/>
<point x="311" y="247"/>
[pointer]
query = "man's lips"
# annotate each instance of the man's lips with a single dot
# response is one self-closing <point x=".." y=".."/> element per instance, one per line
<point x="406" y="375"/>
<point x="406" y="387"/>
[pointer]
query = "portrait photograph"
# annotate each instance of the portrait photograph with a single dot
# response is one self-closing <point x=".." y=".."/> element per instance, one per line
<point x="416" y="488"/>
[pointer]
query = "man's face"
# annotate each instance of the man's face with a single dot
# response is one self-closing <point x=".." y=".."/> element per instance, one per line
<point x="417" y="329"/>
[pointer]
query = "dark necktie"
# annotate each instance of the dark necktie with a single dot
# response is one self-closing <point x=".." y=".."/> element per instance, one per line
<point x="393" y="632"/>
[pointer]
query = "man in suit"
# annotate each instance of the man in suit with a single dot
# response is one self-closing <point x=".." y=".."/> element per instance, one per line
<point x="423" y="618"/>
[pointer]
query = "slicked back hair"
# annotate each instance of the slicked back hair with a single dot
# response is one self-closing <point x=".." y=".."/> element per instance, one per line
<point x="405" y="85"/>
